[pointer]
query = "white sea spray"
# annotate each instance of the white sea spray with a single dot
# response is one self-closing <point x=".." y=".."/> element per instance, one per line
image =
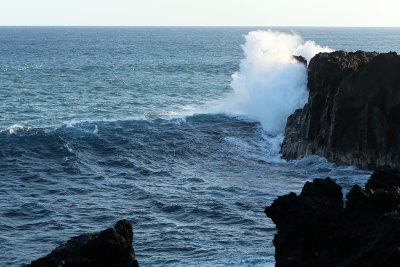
<point x="271" y="84"/>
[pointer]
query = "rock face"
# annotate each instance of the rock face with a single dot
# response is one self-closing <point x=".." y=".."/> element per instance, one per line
<point x="111" y="247"/>
<point x="315" y="229"/>
<point x="353" y="111"/>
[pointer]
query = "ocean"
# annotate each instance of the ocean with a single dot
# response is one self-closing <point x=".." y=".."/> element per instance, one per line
<point x="176" y="129"/>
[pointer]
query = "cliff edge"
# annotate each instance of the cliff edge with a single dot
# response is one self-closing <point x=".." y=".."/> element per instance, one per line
<point x="353" y="112"/>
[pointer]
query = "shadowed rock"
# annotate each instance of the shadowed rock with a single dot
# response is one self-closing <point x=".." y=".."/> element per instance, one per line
<point x="315" y="229"/>
<point x="111" y="247"/>
<point x="301" y="59"/>
<point x="353" y="111"/>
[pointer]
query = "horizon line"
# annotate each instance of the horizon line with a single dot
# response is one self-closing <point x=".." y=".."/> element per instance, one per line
<point x="203" y="26"/>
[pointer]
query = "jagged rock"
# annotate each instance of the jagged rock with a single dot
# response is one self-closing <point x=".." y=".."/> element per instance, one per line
<point x="353" y="111"/>
<point x="301" y="59"/>
<point x="111" y="247"/>
<point x="384" y="177"/>
<point x="315" y="229"/>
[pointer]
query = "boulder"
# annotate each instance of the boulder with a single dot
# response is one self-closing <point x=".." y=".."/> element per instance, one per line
<point x="316" y="229"/>
<point x="111" y="247"/>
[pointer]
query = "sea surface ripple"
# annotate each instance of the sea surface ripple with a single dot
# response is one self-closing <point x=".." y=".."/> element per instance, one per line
<point x="99" y="124"/>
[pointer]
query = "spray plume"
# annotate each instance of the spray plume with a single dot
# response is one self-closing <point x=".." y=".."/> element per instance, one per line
<point x="271" y="84"/>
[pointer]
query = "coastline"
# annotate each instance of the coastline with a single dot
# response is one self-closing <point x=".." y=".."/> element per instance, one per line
<point x="352" y="116"/>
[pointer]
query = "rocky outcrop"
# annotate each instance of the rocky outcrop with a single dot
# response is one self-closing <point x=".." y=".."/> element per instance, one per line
<point x="353" y="111"/>
<point x="316" y="229"/>
<point x="111" y="247"/>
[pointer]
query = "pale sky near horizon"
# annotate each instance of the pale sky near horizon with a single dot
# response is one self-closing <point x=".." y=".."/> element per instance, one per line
<point x="369" y="13"/>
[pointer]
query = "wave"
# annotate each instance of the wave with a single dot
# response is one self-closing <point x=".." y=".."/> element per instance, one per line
<point x="16" y="128"/>
<point x="271" y="84"/>
<point x="268" y="87"/>
<point x="197" y="136"/>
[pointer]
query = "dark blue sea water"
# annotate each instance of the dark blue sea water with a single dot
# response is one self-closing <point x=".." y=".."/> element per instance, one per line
<point x="99" y="124"/>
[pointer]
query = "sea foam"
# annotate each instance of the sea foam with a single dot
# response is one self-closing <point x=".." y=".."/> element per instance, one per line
<point x="16" y="128"/>
<point x="271" y="84"/>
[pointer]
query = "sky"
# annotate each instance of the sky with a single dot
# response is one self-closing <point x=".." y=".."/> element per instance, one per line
<point x="365" y="13"/>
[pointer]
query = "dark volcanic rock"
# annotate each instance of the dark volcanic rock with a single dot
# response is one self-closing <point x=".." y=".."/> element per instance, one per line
<point x="314" y="229"/>
<point x="353" y="111"/>
<point x="301" y="59"/>
<point x="111" y="247"/>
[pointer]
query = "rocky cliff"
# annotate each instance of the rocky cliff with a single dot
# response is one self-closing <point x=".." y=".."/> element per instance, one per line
<point x="316" y="229"/>
<point x="111" y="247"/>
<point x="353" y="111"/>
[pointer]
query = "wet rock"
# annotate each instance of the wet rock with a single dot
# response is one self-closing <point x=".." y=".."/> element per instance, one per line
<point x="301" y="59"/>
<point x="353" y="112"/>
<point x="316" y="229"/>
<point x="111" y="247"/>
